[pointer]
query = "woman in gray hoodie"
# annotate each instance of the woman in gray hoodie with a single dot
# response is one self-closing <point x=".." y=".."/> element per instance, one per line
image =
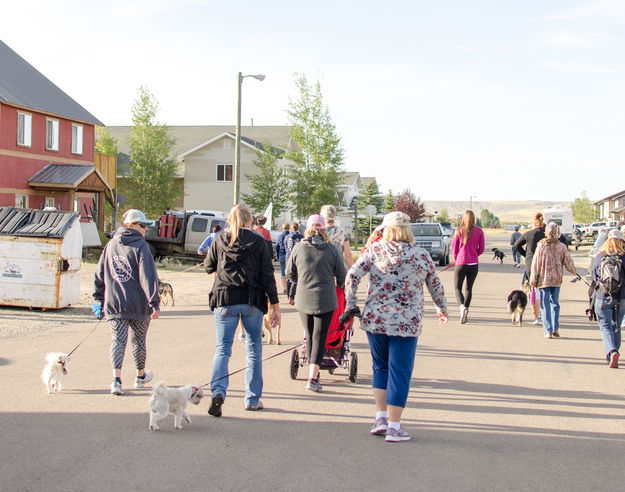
<point x="315" y="264"/>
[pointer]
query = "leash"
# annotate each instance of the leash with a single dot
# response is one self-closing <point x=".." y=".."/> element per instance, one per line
<point x="192" y="268"/>
<point x="446" y="268"/>
<point x="578" y="277"/>
<point x="96" y="325"/>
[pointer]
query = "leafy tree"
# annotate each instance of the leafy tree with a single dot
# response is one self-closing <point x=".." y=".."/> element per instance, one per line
<point x="488" y="219"/>
<point x="584" y="212"/>
<point x="389" y="202"/>
<point x="105" y="143"/>
<point x="317" y="155"/>
<point x="409" y="204"/>
<point x="443" y="215"/>
<point x="369" y="196"/>
<point x="269" y="185"/>
<point x="152" y="170"/>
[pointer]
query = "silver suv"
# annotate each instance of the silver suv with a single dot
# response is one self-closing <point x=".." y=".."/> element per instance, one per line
<point x="432" y="238"/>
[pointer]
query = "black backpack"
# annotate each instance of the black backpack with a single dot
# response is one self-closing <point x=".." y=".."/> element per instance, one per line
<point x="610" y="278"/>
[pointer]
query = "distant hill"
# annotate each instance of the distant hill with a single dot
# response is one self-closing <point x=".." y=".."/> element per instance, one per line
<point x="506" y="211"/>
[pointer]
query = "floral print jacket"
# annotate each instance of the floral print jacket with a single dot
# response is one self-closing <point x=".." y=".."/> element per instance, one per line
<point x="547" y="264"/>
<point x="394" y="304"/>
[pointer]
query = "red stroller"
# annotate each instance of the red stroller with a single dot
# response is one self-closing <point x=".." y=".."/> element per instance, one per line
<point x="337" y="349"/>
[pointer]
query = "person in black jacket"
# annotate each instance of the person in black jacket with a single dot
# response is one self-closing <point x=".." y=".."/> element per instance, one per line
<point x="291" y="240"/>
<point x="244" y="281"/>
<point x="526" y="246"/>
<point x="315" y="264"/>
<point x="126" y="288"/>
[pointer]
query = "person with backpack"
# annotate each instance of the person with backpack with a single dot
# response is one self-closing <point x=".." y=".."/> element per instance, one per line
<point x="291" y="240"/>
<point x="607" y="275"/>
<point x="546" y="276"/>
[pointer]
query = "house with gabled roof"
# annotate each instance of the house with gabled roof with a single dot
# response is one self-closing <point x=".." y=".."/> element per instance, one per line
<point x="46" y="143"/>
<point x="612" y="207"/>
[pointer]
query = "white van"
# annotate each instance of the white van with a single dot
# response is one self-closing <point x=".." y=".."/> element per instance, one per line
<point x="562" y="216"/>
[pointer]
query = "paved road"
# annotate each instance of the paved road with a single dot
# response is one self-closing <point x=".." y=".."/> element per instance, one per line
<point x="492" y="407"/>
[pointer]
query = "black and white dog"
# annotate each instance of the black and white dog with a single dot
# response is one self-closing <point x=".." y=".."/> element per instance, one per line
<point x="517" y="300"/>
<point x="499" y="255"/>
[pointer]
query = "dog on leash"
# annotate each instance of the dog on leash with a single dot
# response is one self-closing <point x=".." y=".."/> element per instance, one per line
<point x="54" y="371"/>
<point x="165" y="290"/>
<point x="499" y="255"/>
<point x="172" y="401"/>
<point x="267" y="324"/>
<point x="517" y="301"/>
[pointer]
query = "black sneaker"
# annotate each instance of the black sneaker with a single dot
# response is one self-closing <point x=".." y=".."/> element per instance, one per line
<point x="216" y="403"/>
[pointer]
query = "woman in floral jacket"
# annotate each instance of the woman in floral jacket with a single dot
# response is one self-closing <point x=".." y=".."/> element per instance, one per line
<point x="546" y="275"/>
<point x="392" y="315"/>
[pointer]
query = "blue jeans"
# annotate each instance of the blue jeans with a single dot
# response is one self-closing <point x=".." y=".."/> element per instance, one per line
<point x="282" y="262"/>
<point x="610" y="323"/>
<point x="226" y="322"/>
<point x="516" y="256"/>
<point x="550" y="308"/>
<point x="393" y="361"/>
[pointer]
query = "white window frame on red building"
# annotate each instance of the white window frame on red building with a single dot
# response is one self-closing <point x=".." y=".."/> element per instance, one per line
<point x="24" y="129"/>
<point x="52" y="134"/>
<point x="76" y="138"/>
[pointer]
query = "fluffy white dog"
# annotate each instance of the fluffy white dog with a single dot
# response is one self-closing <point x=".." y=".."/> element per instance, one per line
<point x="165" y="401"/>
<point x="54" y="371"/>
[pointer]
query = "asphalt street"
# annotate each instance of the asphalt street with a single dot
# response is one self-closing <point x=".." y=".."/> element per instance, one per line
<point x="492" y="407"/>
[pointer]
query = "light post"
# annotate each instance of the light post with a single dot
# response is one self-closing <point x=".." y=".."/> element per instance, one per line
<point x="471" y="202"/>
<point x="237" y="143"/>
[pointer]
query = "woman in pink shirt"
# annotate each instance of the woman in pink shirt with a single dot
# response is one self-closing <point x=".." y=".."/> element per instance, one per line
<point x="467" y="245"/>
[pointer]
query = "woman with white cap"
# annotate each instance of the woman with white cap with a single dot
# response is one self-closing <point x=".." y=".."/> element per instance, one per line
<point x="610" y="300"/>
<point x="315" y="265"/>
<point x="338" y="236"/>
<point x="392" y="315"/>
<point x="546" y="276"/>
<point x="126" y="288"/>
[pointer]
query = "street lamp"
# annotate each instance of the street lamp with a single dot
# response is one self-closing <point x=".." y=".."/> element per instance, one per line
<point x="471" y="201"/>
<point x="237" y="143"/>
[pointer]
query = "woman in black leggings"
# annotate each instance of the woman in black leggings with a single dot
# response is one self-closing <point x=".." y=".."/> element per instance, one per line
<point x="467" y="245"/>
<point x="314" y="264"/>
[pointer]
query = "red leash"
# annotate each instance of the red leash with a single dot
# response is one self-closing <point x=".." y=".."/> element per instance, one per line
<point x="447" y="268"/>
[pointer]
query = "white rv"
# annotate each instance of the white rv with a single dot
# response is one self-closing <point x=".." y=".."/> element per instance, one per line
<point x="562" y="216"/>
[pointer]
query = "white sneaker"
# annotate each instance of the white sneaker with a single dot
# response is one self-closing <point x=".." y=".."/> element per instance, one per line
<point x="463" y="315"/>
<point x="536" y="322"/>
<point x="116" y="388"/>
<point x="147" y="377"/>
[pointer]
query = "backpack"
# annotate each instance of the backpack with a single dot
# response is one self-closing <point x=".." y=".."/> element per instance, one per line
<point x="610" y="276"/>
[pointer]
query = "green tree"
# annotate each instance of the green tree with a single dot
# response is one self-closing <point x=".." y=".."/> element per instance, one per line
<point x="389" y="202"/>
<point x="152" y="170"/>
<point x="269" y="185"/>
<point x="317" y="154"/>
<point x="488" y="219"/>
<point x="369" y="196"/>
<point x="443" y="215"/>
<point x="105" y="143"/>
<point x="584" y="212"/>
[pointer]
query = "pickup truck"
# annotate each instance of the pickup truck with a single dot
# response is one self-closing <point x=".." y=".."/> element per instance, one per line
<point x="180" y="233"/>
<point x="434" y="239"/>
<point x="595" y="228"/>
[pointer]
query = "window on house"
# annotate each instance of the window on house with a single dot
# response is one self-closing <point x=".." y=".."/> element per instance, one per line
<point x="50" y="202"/>
<point x="224" y="172"/>
<point x="52" y="134"/>
<point x="21" y="201"/>
<point x="76" y="139"/>
<point x="227" y="143"/>
<point x="24" y="129"/>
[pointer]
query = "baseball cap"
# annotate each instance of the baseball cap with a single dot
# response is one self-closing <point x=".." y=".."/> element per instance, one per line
<point x="615" y="233"/>
<point x="316" y="221"/>
<point x="395" y="219"/>
<point x="133" y="216"/>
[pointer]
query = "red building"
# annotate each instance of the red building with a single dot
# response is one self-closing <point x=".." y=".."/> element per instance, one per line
<point x="46" y="144"/>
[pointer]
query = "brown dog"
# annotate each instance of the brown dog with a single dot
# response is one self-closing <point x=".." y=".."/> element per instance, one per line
<point x="266" y="326"/>
<point x="166" y="290"/>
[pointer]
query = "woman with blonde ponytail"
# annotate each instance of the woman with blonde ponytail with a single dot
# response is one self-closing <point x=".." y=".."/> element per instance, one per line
<point x="244" y="281"/>
<point x="467" y="245"/>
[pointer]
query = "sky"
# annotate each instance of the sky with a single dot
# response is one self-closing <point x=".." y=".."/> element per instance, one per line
<point x="496" y="100"/>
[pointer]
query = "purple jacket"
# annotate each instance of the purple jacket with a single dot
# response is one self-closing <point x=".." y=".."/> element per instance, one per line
<point x="466" y="254"/>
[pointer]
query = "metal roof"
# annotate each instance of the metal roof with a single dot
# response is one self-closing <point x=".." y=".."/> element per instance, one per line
<point x="35" y="223"/>
<point x="23" y="85"/>
<point x="71" y="174"/>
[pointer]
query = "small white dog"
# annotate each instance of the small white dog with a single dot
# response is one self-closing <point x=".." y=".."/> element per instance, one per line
<point x="165" y="401"/>
<point x="54" y="371"/>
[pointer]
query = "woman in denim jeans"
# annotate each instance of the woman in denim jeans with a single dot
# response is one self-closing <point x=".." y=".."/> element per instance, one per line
<point x="244" y="281"/>
<point x="610" y="309"/>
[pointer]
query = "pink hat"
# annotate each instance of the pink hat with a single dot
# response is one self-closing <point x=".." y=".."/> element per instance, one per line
<point x="316" y="221"/>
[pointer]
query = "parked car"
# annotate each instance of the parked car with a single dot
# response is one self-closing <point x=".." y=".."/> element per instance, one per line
<point x="593" y="229"/>
<point x="432" y="238"/>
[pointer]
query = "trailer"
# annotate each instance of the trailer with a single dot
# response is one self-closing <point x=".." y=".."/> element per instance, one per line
<point x="563" y="216"/>
<point x="40" y="258"/>
<point x="180" y="233"/>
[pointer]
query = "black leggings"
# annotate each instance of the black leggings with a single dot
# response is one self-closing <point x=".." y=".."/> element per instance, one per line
<point x="316" y="326"/>
<point x="460" y="273"/>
